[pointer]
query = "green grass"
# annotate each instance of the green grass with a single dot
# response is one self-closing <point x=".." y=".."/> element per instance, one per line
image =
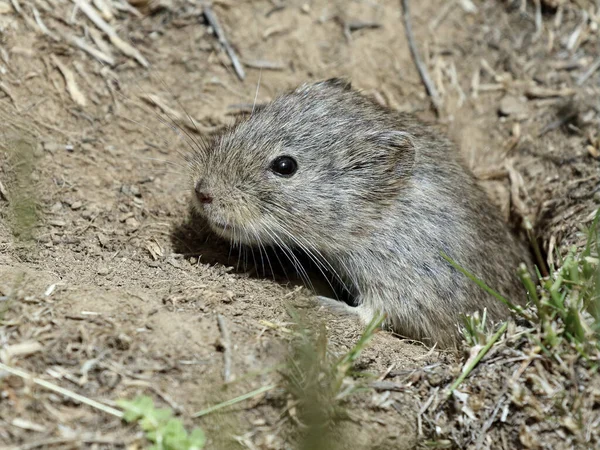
<point x="318" y="382"/>
<point x="567" y="303"/>
<point x="564" y="307"/>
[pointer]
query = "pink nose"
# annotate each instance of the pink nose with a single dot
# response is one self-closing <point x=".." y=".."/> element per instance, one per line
<point x="203" y="196"/>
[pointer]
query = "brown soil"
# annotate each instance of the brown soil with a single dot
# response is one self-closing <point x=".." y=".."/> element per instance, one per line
<point x="122" y="294"/>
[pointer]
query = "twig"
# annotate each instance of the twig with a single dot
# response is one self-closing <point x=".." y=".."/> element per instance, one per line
<point x="429" y="86"/>
<point x="42" y="25"/>
<point x="226" y="342"/>
<point x="69" y="440"/>
<point x="100" y="56"/>
<point x="62" y="391"/>
<point x="76" y="95"/>
<point x="3" y="193"/>
<point x="588" y="73"/>
<point x="233" y="401"/>
<point x="264" y="65"/>
<point x="423" y="409"/>
<point x="488" y="423"/>
<point x="19" y="10"/>
<point x="214" y="23"/>
<point x="516" y="183"/>
<point x="536" y="248"/>
<point x="125" y="47"/>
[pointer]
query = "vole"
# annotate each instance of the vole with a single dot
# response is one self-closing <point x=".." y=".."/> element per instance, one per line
<point x="375" y="195"/>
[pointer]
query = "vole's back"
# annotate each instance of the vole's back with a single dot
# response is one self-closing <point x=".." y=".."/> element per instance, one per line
<point x="441" y="210"/>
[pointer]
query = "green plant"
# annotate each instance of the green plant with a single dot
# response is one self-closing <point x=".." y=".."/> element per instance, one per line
<point x="162" y="429"/>
<point x="475" y="329"/>
<point x="318" y="381"/>
<point x="567" y="303"/>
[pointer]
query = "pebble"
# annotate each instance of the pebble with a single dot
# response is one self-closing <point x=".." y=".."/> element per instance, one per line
<point x="76" y="205"/>
<point x="132" y="223"/>
<point x="229" y="296"/>
<point x="57" y="223"/>
<point x="512" y="106"/>
<point x="102" y="270"/>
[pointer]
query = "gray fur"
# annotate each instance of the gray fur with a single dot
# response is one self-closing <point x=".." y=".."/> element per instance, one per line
<point x="376" y="198"/>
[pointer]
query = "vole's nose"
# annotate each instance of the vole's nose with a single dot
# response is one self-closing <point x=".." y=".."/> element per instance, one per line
<point x="202" y="194"/>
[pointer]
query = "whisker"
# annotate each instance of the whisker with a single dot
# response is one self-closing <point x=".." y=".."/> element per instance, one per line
<point x="172" y="125"/>
<point x="313" y="258"/>
<point x="193" y="122"/>
<point x="293" y="259"/>
<point x="318" y="259"/>
<point x="266" y="253"/>
<point x="256" y="95"/>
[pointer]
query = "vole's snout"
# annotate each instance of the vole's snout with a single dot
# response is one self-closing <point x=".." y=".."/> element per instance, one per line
<point x="202" y="194"/>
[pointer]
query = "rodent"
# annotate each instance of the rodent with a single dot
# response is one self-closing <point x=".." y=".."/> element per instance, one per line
<point x="375" y="194"/>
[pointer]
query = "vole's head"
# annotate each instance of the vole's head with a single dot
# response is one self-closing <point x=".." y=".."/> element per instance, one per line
<point x="318" y="164"/>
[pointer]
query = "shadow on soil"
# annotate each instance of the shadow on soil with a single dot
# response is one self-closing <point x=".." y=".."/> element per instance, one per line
<point x="193" y="238"/>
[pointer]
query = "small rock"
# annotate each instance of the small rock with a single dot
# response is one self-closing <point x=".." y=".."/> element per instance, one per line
<point x="56" y="207"/>
<point x="131" y="190"/>
<point x="104" y="241"/>
<point x="174" y="263"/>
<point x="512" y="106"/>
<point x="5" y="8"/>
<point x="76" y="205"/>
<point x="125" y="217"/>
<point x="229" y="297"/>
<point x="102" y="270"/>
<point x="132" y="223"/>
<point x="52" y="147"/>
<point x="57" y="223"/>
<point x="126" y="189"/>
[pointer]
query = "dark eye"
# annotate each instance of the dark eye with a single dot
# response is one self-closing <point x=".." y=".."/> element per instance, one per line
<point x="284" y="166"/>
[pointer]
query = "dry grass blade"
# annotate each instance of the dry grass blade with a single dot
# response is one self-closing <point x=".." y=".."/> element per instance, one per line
<point x="235" y="400"/>
<point x="211" y="17"/>
<point x="60" y="390"/>
<point x="72" y="87"/>
<point x="125" y="47"/>
<point x="423" y="73"/>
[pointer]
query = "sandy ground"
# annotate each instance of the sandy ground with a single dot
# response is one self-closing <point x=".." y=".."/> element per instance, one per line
<point x="118" y="294"/>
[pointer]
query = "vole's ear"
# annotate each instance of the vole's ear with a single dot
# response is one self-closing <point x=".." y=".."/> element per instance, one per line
<point x="340" y="83"/>
<point x="399" y="151"/>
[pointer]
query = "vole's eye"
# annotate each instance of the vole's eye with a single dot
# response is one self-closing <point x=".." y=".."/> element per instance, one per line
<point x="284" y="166"/>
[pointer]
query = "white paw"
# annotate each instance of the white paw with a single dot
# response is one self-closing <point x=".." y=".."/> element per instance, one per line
<point x="362" y="311"/>
<point x="337" y="306"/>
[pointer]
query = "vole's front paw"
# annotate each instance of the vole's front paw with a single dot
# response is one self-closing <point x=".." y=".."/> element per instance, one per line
<point x="362" y="311"/>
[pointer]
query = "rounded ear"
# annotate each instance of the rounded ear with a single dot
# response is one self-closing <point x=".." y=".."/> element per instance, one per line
<point x="399" y="150"/>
